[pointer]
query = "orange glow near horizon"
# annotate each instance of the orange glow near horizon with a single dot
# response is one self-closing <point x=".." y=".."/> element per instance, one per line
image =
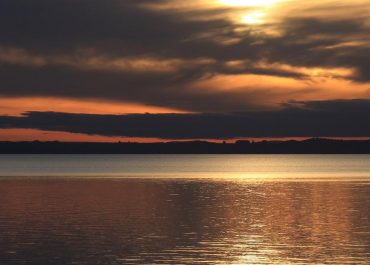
<point x="15" y="135"/>
<point x="17" y="106"/>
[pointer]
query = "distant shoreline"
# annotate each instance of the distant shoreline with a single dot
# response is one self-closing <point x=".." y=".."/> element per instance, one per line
<point x="309" y="146"/>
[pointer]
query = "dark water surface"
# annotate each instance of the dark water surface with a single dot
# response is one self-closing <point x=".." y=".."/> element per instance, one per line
<point x="92" y="221"/>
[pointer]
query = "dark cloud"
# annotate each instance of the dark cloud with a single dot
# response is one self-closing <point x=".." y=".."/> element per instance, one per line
<point x="153" y="89"/>
<point x="314" y="42"/>
<point x="114" y="29"/>
<point x="297" y="119"/>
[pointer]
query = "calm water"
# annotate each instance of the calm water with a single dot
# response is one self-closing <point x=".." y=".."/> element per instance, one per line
<point x="250" y="209"/>
<point x="258" y="167"/>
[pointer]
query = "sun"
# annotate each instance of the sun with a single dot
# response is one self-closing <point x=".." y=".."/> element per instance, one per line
<point x="252" y="12"/>
<point x="253" y="18"/>
<point x="249" y="3"/>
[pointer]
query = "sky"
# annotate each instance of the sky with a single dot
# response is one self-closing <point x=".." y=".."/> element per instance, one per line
<point x="158" y="70"/>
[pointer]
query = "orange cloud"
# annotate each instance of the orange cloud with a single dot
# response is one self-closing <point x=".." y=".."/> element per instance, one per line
<point x="271" y="91"/>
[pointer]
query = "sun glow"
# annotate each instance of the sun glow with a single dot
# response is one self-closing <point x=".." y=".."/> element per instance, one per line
<point x="252" y="12"/>
<point x="253" y="18"/>
<point x="249" y="3"/>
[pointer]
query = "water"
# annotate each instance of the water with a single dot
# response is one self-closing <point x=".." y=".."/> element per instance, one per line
<point x="258" y="167"/>
<point x="104" y="210"/>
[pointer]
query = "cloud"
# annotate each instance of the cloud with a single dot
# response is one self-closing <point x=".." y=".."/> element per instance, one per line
<point x="314" y="42"/>
<point x="341" y="118"/>
<point x="132" y="51"/>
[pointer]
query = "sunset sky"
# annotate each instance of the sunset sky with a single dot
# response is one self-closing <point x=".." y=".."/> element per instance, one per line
<point x="150" y="70"/>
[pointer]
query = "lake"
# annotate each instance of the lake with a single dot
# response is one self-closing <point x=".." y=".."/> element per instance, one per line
<point x="184" y="209"/>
